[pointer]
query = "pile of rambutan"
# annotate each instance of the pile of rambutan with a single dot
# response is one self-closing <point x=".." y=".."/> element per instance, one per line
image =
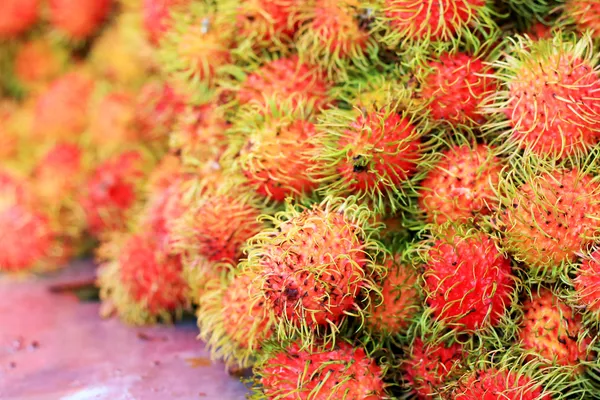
<point x="358" y="199"/>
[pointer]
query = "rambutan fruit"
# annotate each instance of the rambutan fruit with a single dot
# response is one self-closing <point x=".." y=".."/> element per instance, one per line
<point x="454" y="86"/>
<point x="373" y="152"/>
<point x="144" y="284"/>
<point x="410" y="21"/>
<point x="469" y="283"/>
<point x="113" y="123"/>
<point x="498" y="384"/>
<point x="548" y="218"/>
<point x="17" y="16"/>
<point x="266" y="24"/>
<point x="286" y="78"/>
<point x="79" y="19"/>
<point x="217" y="224"/>
<point x="62" y="110"/>
<point x="461" y="185"/>
<point x="196" y="47"/>
<point x="275" y="146"/>
<point x="111" y="192"/>
<point x="585" y="14"/>
<point x="428" y="365"/>
<point x="587" y="284"/>
<point x="552" y="331"/>
<point x="26" y="238"/>
<point x="301" y="372"/>
<point x="157" y="16"/>
<point x="334" y="36"/>
<point x="313" y="265"/>
<point x="548" y="104"/>
<point x="9" y="140"/>
<point x="157" y="107"/>
<point x="391" y="311"/>
<point x="37" y="62"/>
<point x="231" y="322"/>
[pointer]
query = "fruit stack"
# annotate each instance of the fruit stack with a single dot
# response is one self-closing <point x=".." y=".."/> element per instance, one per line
<point x="358" y="199"/>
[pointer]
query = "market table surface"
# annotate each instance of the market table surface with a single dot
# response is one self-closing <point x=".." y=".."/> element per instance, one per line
<point x="55" y="347"/>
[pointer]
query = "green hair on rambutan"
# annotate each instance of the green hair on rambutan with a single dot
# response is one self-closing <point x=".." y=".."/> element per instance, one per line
<point x="547" y="103"/>
<point x="375" y="150"/>
<point x="316" y="266"/>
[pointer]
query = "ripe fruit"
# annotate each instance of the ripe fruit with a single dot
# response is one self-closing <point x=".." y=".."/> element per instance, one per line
<point x="157" y="16"/>
<point x="469" y="284"/>
<point x="550" y="218"/>
<point x="344" y="372"/>
<point x="429" y="365"/>
<point x="59" y="173"/>
<point x="61" y="112"/>
<point x="454" y="88"/>
<point x="144" y="284"/>
<point x="392" y="311"/>
<point x="157" y="107"/>
<point x="233" y="325"/>
<point x="78" y="19"/>
<point x="461" y="185"/>
<point x="553" y="331"/>
<point x="275" y="147"/>
<point x="17" y="16"/>
<point x="312" y="265"/>
<point x="217" y="226"/>
<point x="587" y="283"/>
<point x="113" y="124"/>
<point x="37" y="62"/>
<point x="492" y="384"/>
<point x="286" y="78"/>
<point x="266" y="23"/>
<point x="111" y="191"/>
<point x="431" y="19"/>
<point x="549" y="101"/>
<point x="585" y="14"/>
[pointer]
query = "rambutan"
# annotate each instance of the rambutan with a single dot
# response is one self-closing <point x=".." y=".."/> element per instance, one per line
<point x="298" y="372"/>
<point x="144" y="284"/>
<point x="391" y="311"/>
<point x="587" y="283"/>
<point x="461" y="185"/>
<point x="113" y="121"/>
<point x="37" y="62"/>
<point x="266" y="23"/>
<point x="231" y="322"/>
<point x="549" y="99"/>
<point x="454" y="86"/>
<point x="494" y="384"/>
<point x="313" y="265"/>
<point x="549" y="218"/>
<point x="157" y="107"/>
<point x="428" y="365"/>
<point x="553" y="331"/>
<point x="78" y="19"/>
<point x="286" y="78"/>
<point x="17" y="16"/>
<point x="469" y="284"/>
<point x="157" y="16"/>
<point x="111" y="191"/>
<point x="585" y="14"/>
<point x="62" y="110"/>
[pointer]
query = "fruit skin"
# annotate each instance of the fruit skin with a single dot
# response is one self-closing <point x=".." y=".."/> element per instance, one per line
<point x="550" y="218"/>
<point x="493" y="384"/>
<point x="343" y="372"/>
<point x="267" y="23"/>
<point x="312" y="265"/>
<point x="38" y="62"/>
<point x="111" y="191"/>
<point x="156" y="110"/>
<point x="585" y="14"/>
<point x="400" y="300"/>
<point x="62" y="111"/>
<point x="542" y="79"/>
<point x="17" y="16"/>
<point x="26" y="238"/>
<point x="286" y="78"/>
<point x="429" y="365"/>
<point x="431" y="19"/>
<point x="587" y="283"/>
<point x="461" y="185"/>
<point x="78" y="19"/>
<point x="454" y="88"/>
<point x="157" y="16"/>
<point x="553" y="331"/>
<point x="113" y="122"/>
<point x="476" y="302"/>
<point x="217" y="226"/>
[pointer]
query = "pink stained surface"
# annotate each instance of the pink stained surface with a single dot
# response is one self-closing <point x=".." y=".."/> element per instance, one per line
<point x="54" y="347"/>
